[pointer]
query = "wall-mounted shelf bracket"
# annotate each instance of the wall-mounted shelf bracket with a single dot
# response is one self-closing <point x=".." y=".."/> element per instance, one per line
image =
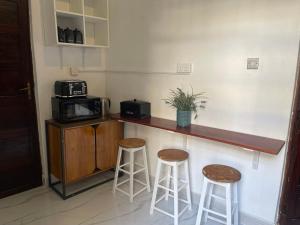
<point x="255" y="158"/>
<point x="185" y="142"/>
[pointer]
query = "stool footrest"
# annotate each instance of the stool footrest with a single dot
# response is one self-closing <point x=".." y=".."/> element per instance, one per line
<point x="135" y="194"/>
<point x="172" y="196"/>
<point x="138" y="164"/>
<point x="127" y="172"/>
<point x="140" y="182"/>
<point x="140" y="191"/>
<point x="218" y="197"/>
<point x="183" y="210"/>
<point x="126" y="164"/>
<point x="161" y="198"/>
<point x="138" y="171"/>
<point x="136" y="180"/>
<point x="169" y="214"/>
<point x="215" y="213"/>
<point x="123" y="182"/>
<point x="122" y="191"/>
<point x="163" y="211"/>
<point x="164" y="178"/>
<point x="171" y="190"/>
<point x="179" y="199"/>
<point x="124" y="171"/>
<point x="216" y="220"/>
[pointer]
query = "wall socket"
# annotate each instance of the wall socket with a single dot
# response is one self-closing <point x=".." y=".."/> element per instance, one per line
<point x="252" y="63"/>
<point x="74" y="71"/>
<point x="185" y="68"/>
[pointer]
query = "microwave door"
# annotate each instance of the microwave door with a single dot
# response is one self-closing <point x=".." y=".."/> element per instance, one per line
<point x="83" y="110"/>
<point x="68" y="109"/>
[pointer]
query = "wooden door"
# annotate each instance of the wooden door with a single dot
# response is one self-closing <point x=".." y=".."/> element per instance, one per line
<point x="20" y="164"/>
<point x="290" y="198"/>
<point x="79" y="152"/>
<point x="108" y="135"/>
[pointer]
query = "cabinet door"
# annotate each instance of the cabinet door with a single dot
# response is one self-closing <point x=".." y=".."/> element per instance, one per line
<point x="108" y="135"/>
<point x="79" y="152"/>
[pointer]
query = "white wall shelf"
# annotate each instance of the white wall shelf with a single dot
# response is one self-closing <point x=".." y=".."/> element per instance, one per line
<point x="80" y="46"/>
<point x="91" y="17"/>
<point x="69" y="5"/>
<point x="68" y="14"/>
<point x="98" y="8"/>
<point x="94" y="19"/>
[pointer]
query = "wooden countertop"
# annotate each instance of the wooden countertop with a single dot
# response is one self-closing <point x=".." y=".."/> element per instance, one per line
<point x="78" y="123"/>
<point x="248" y="141"/>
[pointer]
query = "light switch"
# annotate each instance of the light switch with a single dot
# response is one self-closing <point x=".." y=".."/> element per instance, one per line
<point x="184" y="68"/>
<point x="252" y="63"/>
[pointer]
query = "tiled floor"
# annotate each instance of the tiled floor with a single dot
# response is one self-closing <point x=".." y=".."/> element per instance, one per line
<point x="42" y="206"/>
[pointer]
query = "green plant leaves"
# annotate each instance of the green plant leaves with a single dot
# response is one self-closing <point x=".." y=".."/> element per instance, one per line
<point x="184" y="101"/>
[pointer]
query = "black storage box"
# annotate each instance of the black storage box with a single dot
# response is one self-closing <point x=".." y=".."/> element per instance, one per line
<point x="135" y="109"/>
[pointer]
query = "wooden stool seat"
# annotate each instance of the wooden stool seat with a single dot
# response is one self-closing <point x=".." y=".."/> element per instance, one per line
<point x="132" y="143"/>
<point x="173" y="155"/>
<point x="221" y="173"/>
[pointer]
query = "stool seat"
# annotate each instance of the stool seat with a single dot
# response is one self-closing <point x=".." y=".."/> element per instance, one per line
<point x="132" y="143"/>
<point x="221" y="173"/>
<point x="173" y="155"/>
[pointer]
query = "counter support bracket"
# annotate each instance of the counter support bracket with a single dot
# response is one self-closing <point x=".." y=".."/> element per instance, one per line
<point x="185" y="142"/>
<point x="255" y="158"/>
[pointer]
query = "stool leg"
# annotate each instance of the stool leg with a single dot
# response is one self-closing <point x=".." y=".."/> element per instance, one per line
<point x="236" y="204"/>
<point x="175" y="194"/>
<point x="168" y="181"/>
<point x="117" y="169"/>
<point x="131" y="175"/>
<point x="202" y="199"/>
<point x="158" y="167"/>
<point x="188" y="188"/>
<point x="228" y="205"/>
<point x="146" y="169"/>
<point x="208" y="204"/>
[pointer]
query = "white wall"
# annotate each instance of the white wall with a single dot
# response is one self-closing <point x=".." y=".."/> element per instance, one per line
<point x="217" y="37"/>
<point x="52" y="63"/>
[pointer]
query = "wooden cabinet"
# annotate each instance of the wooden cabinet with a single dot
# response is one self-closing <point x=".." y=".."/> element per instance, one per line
<point x="80" y="150"/>
<point x="108" y="135"/>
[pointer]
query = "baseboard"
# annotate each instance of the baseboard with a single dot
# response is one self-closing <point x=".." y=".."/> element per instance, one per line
<point x="246" y="219"/>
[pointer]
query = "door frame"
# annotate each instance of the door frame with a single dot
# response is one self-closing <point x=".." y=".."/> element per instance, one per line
<point x="39" y="122"/>
<point x="288" y="164"/>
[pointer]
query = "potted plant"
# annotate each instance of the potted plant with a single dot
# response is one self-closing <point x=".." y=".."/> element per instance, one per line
<point x="186" y="104"/>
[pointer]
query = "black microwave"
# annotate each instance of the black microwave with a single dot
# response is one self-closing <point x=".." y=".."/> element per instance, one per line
<point x="74" y="109"/>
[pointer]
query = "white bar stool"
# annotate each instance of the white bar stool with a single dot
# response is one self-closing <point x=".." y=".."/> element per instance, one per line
<point x="172" y="158"/>
<point x="223" y="176"/>
<point x="132" y="145"/>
